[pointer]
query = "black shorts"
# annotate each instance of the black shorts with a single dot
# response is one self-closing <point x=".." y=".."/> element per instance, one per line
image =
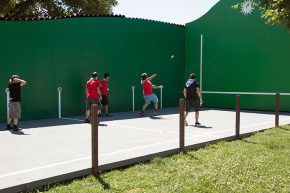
<point x="191" y="103"/>
<point x="105" y="100"/>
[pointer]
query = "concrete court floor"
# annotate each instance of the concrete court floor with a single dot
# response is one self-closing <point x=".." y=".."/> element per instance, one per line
<point x="52" y="147"/>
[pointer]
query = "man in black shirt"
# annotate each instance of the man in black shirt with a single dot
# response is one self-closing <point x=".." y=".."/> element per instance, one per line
<point x="190" y="90"/>
<point x="14" y="86"/>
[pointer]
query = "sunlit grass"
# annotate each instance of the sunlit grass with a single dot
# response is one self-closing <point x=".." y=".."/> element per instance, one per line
<point x="260" y="163"/>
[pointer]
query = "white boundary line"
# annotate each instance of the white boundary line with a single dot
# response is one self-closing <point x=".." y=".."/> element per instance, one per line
<point x="143" y="129"/>
<point x="245" y="93"/>
<point x="129" y="127"/>
<point x="201" y="55"/>
<point x="127" y="150"/>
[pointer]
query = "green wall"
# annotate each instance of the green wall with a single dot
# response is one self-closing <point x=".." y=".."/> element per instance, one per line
<point x="240" y="54"/>
<point x="64" y="52"/>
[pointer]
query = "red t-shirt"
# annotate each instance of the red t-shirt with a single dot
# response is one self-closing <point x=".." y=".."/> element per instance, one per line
<point x="147" y="87"/>
<point x="92" y="86"/>
<point x="104" y="88"/>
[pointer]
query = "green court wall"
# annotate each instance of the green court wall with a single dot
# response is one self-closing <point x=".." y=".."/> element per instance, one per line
<point x="240" y="54"/>
<point x="64" y="52"/>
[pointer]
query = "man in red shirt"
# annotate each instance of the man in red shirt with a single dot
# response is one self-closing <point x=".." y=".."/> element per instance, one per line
<point x="92" y="93"/>
<point x="105" y="93"/>
<point x="148" y="94"/>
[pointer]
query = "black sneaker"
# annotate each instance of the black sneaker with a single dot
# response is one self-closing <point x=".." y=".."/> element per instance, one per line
<point x="87" y="121"/>
<point x="197" y="123"/>
<point x="16" y="128"/>
<point x="142" y="113"/>
<point x="9" y="128"/>
<point x="100" y="115"/>
<point x="108" y="115"/>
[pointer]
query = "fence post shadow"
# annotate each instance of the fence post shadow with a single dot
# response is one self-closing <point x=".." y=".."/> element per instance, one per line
<point x="105" y="185"/>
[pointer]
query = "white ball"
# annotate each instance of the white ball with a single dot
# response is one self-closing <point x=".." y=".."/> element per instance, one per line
<point x="172" y="56"/>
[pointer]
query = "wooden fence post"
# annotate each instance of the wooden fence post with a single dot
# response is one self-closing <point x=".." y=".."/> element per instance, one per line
<point x="277" y="112"/>
<point x="238" y="112"/>
<point x="181" y="124"/>
<point x="95" y="142"/>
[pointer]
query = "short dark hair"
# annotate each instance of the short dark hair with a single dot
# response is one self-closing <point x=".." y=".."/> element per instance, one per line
<point x="143" y="76"/>
<point x="106" y="75"/>
<point x="192" y="76"/>
<point x="14" y="76"/>
<point x="95" y="74"/>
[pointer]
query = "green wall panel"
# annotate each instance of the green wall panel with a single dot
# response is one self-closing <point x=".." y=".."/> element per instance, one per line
<point x="53" y="53"/>
<point x="240" y="54"/>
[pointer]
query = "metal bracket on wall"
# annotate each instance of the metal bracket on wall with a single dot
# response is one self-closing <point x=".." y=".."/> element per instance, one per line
<point x="133" y="98"/>
<point x="59" y="90"/>
<point x="7" y="100"/>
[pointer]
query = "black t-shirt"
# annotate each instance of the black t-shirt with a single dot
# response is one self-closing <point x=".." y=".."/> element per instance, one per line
<point x="15" y="94"/>
<point x="191" y="91"/>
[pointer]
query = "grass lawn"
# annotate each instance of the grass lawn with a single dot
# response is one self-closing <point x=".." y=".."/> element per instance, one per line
<point x="260" y="163"/>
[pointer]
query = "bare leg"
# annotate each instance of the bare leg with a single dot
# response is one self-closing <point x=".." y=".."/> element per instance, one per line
<point x="156" y="106"/>
<point x="9" y="121"/>
<point x="155" y="109"/>
<point x="106" y="109"/>
<point x="185" y="115"/>
<point x="15" y="121"/>
<point x="88" y="113"/>
<point x="144" y="107"/>
<point x="196" y="116"/>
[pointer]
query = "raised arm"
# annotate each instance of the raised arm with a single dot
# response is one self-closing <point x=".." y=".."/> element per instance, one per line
<point x="18" y="80"/>
<point x="151" y="77"/>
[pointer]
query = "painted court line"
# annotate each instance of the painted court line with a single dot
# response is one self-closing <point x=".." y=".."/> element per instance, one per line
<point x="145" y="129"/>
<point x="126" y="150"/>
<point x="43" y="167"/>
<point x="130" y="127"/>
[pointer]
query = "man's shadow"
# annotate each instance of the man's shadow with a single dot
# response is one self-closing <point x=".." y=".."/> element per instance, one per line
<point x="18" y="132"/>
<point x="201" y="126"/>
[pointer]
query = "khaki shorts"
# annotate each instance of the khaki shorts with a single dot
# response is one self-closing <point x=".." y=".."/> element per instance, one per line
<point x="14" y="110"/>
<point x="90" y="102"/>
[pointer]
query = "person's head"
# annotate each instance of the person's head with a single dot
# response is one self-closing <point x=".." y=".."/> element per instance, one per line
<point x="107" y="76"/>
<point x="95" y="75"/>
<point x="14" y="77"/>
<point x="143" y="76"/>
<point x="192" y="76"/>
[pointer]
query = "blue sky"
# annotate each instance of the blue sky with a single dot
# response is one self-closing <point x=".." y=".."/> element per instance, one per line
<point x="172" y="11"/>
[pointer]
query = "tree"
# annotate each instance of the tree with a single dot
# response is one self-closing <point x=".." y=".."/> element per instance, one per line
<point x="275" y="12"/>
<point x="54" y="8"/>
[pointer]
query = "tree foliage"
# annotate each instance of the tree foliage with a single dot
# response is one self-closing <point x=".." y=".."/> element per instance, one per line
<point x="54" y="8"/>
<point x="275" y="12"/>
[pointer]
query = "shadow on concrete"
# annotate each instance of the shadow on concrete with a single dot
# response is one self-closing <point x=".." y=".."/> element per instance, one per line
<point x="156" y="118"/>
<point x="118" y="116"/>
<point x="201" y="126"/>
<point x="18" y="132"/>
